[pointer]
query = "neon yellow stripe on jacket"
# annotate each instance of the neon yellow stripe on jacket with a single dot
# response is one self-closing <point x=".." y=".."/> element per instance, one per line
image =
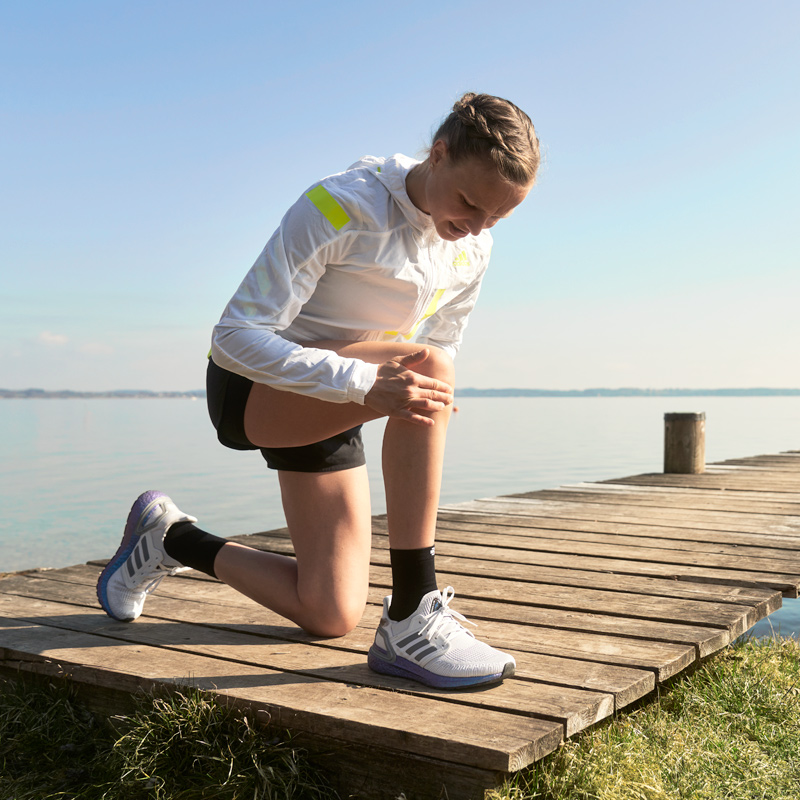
<point x="429" y="312"/>
<point x="328" y="206"/>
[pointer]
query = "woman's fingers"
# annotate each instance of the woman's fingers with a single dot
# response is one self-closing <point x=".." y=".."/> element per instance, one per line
<point x="431" y="388"/>
<point x="440" y="391"/>
<point x="401" y="392"/>
<point x="409" y="416"/>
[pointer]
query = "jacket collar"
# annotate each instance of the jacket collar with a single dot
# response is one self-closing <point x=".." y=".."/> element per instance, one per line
<point x="392" y="173"/>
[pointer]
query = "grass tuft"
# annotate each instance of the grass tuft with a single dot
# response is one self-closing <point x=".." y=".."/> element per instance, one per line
<point x="48" y="743"/>
<point x="184" y="746"/>
<point x="181" y="746"/>
<point x="729" y="730"/>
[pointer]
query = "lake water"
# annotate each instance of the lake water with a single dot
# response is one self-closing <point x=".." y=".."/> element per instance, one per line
<point x="71" y="468"/>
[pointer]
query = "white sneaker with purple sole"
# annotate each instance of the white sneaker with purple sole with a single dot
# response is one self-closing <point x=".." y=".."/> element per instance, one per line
<point x="434" y="648"/>
<point x="141" y="562"/>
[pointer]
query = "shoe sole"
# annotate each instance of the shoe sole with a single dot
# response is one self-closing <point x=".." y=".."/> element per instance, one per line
<point x="129" y="540"/>
<point x="402" y="668"/>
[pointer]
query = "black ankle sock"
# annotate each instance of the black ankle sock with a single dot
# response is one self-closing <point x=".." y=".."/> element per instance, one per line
<point x="192" y="547"/>
<point x="413" y="576"/>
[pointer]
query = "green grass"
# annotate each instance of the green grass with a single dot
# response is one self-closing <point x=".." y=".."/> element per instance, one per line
<point x="181" y="746"/>
<point x="729" y="731"/>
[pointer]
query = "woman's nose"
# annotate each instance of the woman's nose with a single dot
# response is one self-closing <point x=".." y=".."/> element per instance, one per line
<point x="477" y="222"/>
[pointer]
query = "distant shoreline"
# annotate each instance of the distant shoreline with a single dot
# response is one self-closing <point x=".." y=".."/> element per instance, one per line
<point x="629" y="392"/>
<point x="65" y="394"/>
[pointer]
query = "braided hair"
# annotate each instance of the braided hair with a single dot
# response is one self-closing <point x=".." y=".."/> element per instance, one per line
<point x="490" y="127"/>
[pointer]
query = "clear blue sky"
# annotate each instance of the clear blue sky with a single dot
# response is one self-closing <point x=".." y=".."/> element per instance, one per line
<point x="150" y="148"/>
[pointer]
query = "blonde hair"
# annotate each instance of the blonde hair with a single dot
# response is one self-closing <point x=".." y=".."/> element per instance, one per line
<point x="490" y="127"/>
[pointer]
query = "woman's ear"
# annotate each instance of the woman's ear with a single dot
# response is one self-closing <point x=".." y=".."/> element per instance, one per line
<point x="437" y="153"/>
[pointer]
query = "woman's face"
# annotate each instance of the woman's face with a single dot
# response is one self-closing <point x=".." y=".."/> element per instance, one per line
<point x="467" y="196"/>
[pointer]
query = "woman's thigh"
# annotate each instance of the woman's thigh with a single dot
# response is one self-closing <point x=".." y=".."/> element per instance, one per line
<point x="274" y="418"/>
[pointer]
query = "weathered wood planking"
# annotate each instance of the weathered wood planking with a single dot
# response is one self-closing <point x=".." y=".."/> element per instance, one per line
<point x="599" y="590"/>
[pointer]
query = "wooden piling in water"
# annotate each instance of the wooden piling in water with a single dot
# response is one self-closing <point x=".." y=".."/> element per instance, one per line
<point x="685" y="443"/>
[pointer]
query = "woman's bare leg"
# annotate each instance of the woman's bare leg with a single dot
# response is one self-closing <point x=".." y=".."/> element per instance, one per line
<point x="323" y="589"/>
<point x="413" y="458"/>
<point x="413" y="454"/>
<point x="328" y="514"/>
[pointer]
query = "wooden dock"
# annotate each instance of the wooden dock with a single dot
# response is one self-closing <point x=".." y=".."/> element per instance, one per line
<point x="601" y="591"/>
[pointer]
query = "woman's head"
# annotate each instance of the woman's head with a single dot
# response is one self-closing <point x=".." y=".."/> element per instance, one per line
<point x="489" y="127"/>
<point x="480" y="167"/>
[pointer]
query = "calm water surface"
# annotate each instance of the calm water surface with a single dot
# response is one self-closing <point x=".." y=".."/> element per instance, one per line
<point x="71" y="468"/>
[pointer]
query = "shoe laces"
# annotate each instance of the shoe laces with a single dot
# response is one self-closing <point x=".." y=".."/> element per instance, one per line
<point x="445" y="623"/>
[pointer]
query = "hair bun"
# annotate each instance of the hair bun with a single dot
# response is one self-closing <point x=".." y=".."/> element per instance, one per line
<point x="471" y="116"/>
<point x="486" y="126"/>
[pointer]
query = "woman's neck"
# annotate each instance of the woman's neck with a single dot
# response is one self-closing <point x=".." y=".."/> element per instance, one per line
<point x="415" y="186"/>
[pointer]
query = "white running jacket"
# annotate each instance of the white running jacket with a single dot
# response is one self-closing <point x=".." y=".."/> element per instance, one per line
<point x="352" y="259"/>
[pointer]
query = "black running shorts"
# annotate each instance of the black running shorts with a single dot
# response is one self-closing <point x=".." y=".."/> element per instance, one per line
<point x="227" y="393"/>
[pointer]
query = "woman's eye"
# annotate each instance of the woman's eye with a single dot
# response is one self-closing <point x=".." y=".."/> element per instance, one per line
<point x="467" y="203"/>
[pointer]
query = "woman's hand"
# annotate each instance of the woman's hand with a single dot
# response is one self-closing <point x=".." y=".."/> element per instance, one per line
<point x="401" y="392"/>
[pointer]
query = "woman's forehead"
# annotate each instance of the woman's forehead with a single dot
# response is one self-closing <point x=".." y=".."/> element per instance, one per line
<point x="481" y="183"/>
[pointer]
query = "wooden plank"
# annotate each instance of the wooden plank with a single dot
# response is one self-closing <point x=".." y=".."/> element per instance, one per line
<point x="523" y="525"/>
<point x="789" y="462"/>
<point x="783" y="468"/>
<point x="527" y="592"/>
<point x="598" y="512"/>
<point x="524" y="565"/>
<point x="505" y="535"/>
<point x="667" y="493"/>
<point x="764" y="600"/>
<point x="729" y="480"/>
<point x="663" y="659"/>
<point x="620" y="681"/>
<point x="786" y="564"/>
<point x="360" y="715"/>
<point x="785" y="568"/>
<point x="573" y="708"/>
<point x="625" y="685"/>
<point x="709" y="502"/>
<point x="670" y="646"/>
<point x="732" y="618"/>
<point x="457" y="571"/>
<point x="540" y="555"/>
<point x="205" y="592"/>
<point x="698" y="518"/>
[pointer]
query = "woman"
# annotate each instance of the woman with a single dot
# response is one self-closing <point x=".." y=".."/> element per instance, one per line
<point x="353" y="311"/>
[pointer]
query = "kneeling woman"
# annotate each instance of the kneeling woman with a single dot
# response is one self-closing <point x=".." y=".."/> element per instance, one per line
<point x="353" y="311"/>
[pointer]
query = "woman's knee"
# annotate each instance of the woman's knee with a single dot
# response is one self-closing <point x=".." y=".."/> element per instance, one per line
<point x="333" y="610"/>
<point x="437" y="365"/>
<point x="331" y="620"/>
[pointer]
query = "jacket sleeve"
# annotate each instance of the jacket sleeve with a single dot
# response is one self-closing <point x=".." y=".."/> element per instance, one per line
<point x="283" y="278"/>
<point x="445" y="328"/>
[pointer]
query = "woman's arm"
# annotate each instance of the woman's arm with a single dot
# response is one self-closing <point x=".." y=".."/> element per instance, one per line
<point x="281" y="281"/>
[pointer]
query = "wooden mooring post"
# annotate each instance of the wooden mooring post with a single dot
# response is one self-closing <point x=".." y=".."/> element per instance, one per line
<point x="685" y="443"/>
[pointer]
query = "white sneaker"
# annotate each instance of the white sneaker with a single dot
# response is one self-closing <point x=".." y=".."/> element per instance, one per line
<point x="434" y="648"/>
<point x="140" y="562"/>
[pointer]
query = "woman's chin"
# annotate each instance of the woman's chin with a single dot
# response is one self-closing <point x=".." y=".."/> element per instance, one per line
<point x="450" y="232"/>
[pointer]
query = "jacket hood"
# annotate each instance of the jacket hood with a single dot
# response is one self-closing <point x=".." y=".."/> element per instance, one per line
<point x="392" y="173"/>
